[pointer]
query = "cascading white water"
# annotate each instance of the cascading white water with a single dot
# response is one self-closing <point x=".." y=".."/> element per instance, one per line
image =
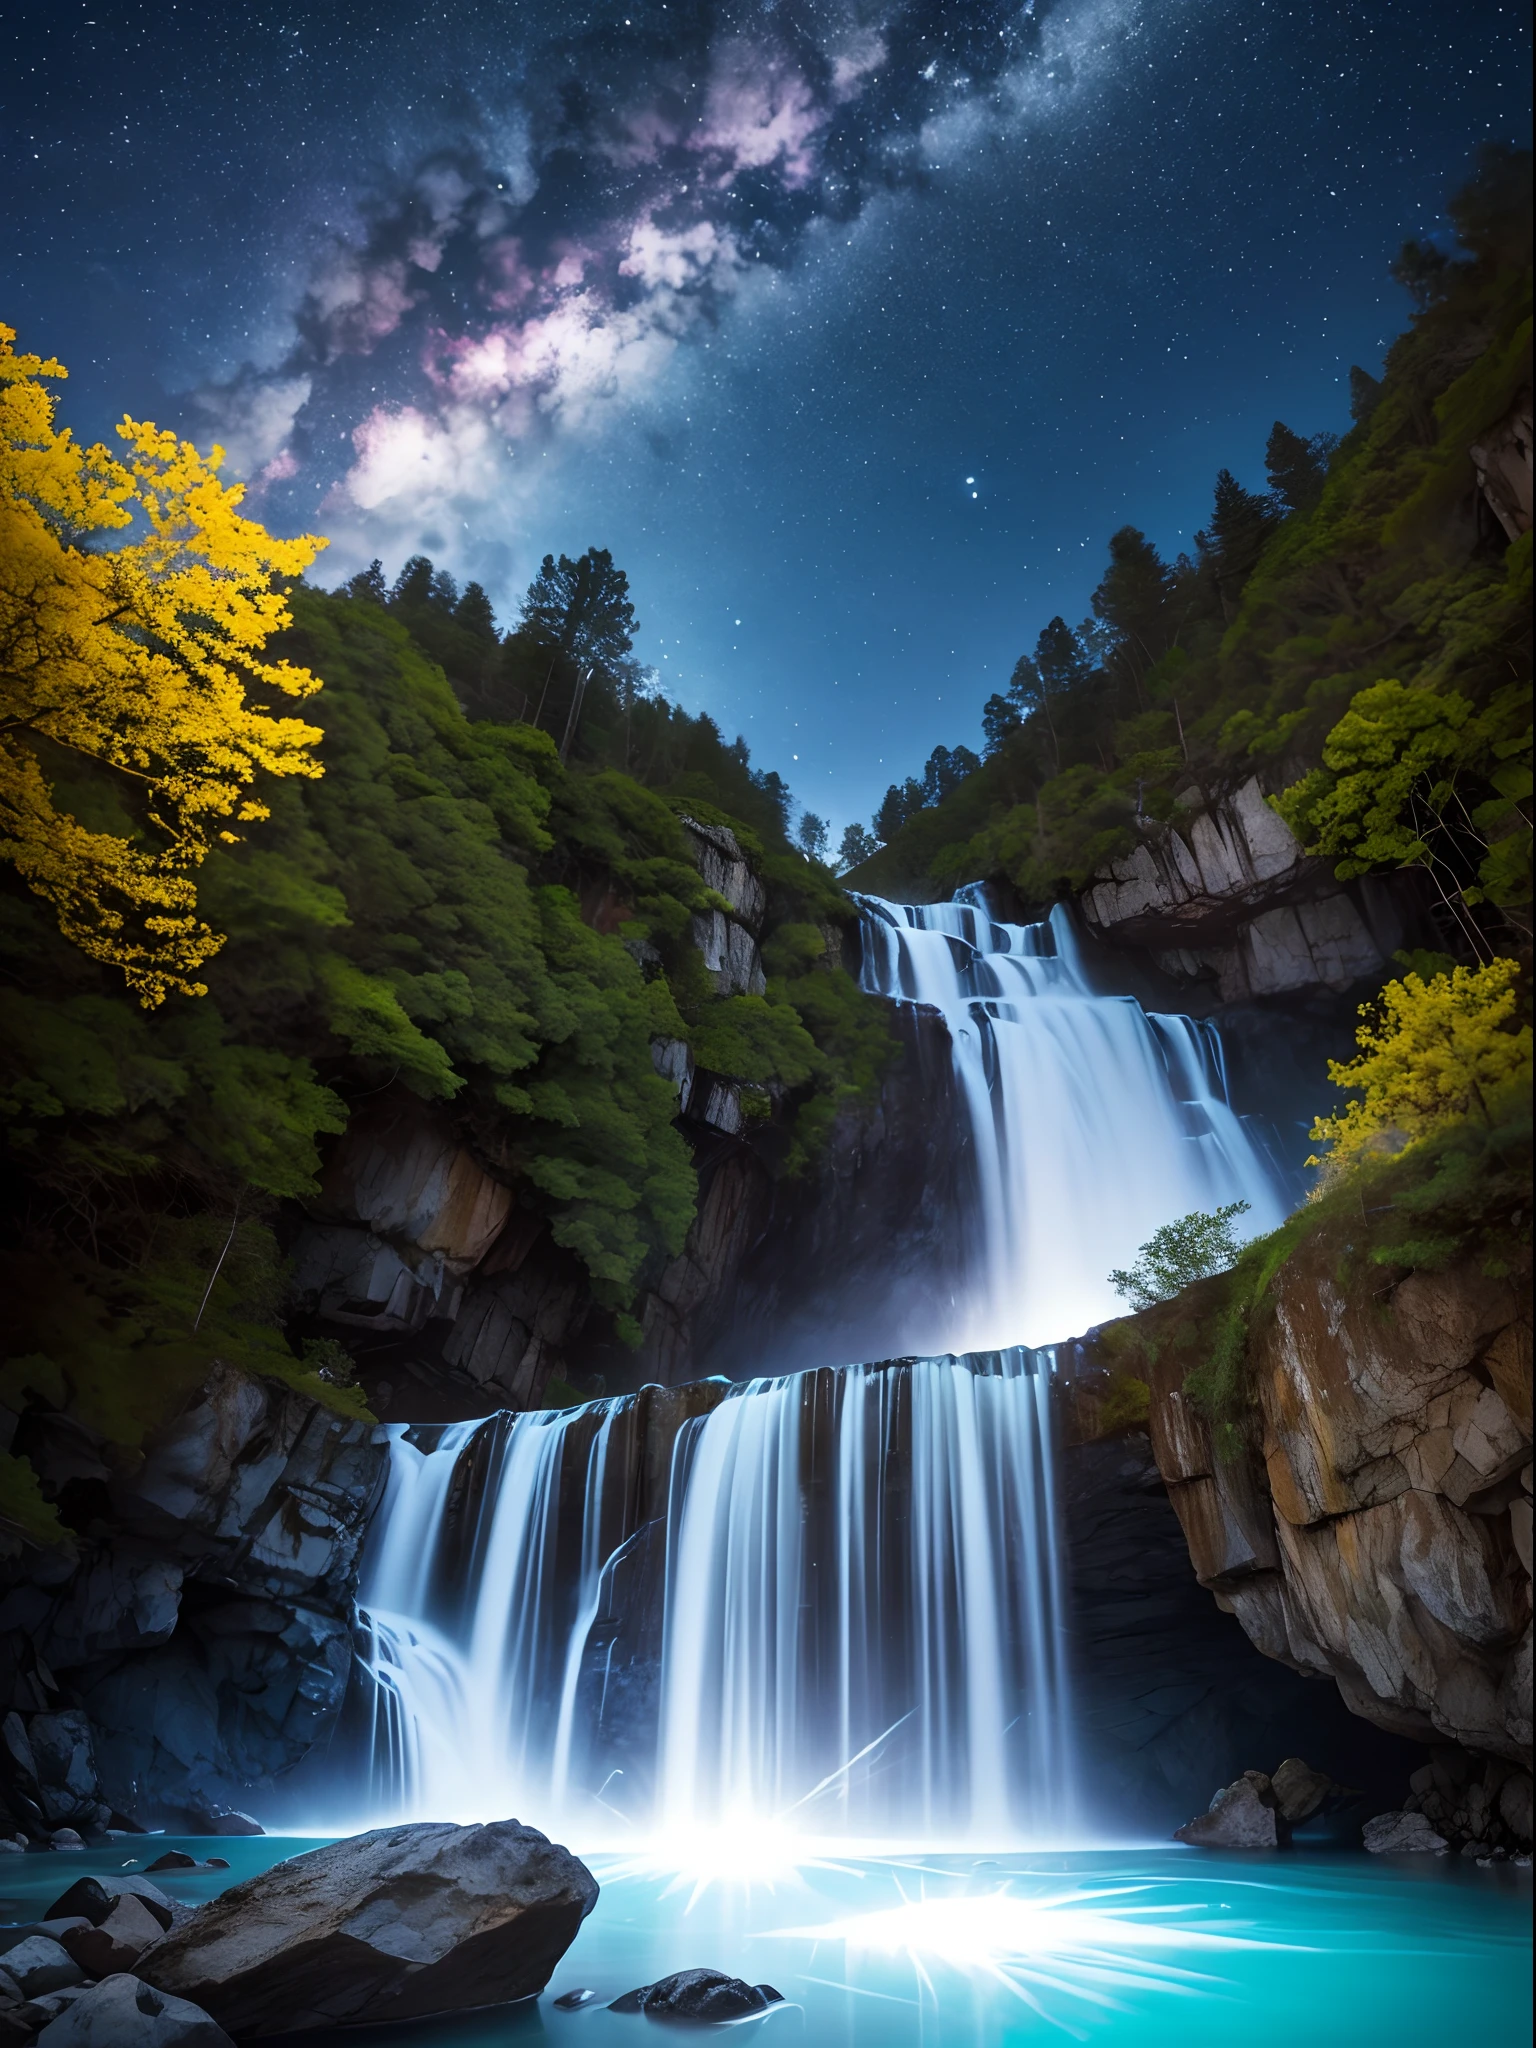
<point x="862" y="1620"/>
<point x="873" y="1646"/>
<point x="858" y="1625"/>
<point x="1092" y="1122"/>
<point x="474" y="1632"/>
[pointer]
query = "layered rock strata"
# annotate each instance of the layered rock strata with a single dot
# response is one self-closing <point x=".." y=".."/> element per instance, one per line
<point x="1229" y="897"/>
<point x="1170" y="1698"/>
<point x="1372" y="1524"/>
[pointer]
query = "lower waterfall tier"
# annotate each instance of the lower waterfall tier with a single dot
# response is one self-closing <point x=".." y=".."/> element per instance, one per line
<point x="829" y="1601"/>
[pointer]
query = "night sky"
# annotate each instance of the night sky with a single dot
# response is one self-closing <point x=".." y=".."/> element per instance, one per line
<point x="853" y="330"/>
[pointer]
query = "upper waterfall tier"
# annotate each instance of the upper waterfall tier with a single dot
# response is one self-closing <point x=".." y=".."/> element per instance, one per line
<point x="1090" y="1121"/>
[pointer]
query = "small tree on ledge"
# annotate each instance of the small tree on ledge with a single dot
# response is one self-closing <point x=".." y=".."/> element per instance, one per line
<point x="1191" y="1248"/>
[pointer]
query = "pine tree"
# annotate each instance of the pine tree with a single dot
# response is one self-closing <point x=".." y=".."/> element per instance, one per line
<point x="812" y="836"/>
<point x="946" y="769"/>
<point x="1135" y="601"/>
<point x="857" y="846"/>
<point x="413" y="586"/>
<point x="1241" y="524"/>
<point x="1297" y="468"/>
<point x="903" y="800"/>
<point x="474" y="612"/>
<point x="583" y="608"/>
<point x="999" y="718"/>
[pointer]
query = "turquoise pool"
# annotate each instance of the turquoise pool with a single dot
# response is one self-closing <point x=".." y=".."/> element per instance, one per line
<point x="1108" y="1947"/>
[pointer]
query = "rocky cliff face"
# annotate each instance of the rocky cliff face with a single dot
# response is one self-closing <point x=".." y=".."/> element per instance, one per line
<point x="456" y="1301"/>
<point x="1170" y="1698"/>
<point x="1228" y="899"/>
<point x="822" y="1270"/>
<point x="199" y="1640"/>
<point x="1371" y="1523"/>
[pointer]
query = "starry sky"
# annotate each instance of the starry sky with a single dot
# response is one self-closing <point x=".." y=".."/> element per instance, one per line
<point x="852" y="327"/>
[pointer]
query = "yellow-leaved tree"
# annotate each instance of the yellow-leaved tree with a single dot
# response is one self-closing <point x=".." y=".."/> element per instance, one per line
<point x="1432" y="1054"/>
<point x="125" y="673"/>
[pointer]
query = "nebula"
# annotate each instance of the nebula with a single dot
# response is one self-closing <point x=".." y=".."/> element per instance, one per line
<point x="522" y="283"/>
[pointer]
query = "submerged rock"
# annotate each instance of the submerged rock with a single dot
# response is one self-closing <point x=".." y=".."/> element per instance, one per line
<point x="698" y="1995"/>
<point x="1241" y="1816"/>
<point x="402" y="1923"/>
<point x="123" y="2012"/>
<point x="1390" y="1834"/>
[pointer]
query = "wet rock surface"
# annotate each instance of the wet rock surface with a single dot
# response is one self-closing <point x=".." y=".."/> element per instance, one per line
<point x="1393" y="1834"/>
<point x="123" y="2012"/>
<point x="402" y="1923"/>
<point x="698" y="1995"/>
<point x="201" y="1637"/>
<point x="835" y="1265"/>
<point x="1226" y="896"/>
<point x="1300" y="1792"/>
<point x="1260" y="1809"/>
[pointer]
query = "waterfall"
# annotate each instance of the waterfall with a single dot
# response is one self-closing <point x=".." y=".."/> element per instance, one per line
<point x="828" y="1601"/>
<point x="471" y="1603"/>
<point x="862" y="1630"/>
<point x="1090" y="1121"/>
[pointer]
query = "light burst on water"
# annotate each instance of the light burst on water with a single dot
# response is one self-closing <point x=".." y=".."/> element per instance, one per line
<point x="1050" y="1950"/>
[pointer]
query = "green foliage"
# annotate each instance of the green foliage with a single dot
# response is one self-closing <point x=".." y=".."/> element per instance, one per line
<point x="561" y="1394"/>
<point x="1417" y="778"/>
<point x="449" y="909"/>
<point x="1462" y="1193"/>
<point x="1191" y="1248"/>
<point x="25" y="1516"/>
<point x="1432" y="1054"/>
<point x="855" y="847"/>
<point x="1127" y="1404"/>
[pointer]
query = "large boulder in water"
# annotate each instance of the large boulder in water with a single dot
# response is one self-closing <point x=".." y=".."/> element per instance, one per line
<point x="1241" y="1816"/>
<point x="399" y="1924"/>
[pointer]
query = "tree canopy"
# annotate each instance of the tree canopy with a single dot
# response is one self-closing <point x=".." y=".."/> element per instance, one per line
<point x="134" y="679"/>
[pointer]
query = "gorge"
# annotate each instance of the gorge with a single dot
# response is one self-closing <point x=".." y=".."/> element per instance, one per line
<point x="850" y="1608"/>
<point x="957" y="1423"/>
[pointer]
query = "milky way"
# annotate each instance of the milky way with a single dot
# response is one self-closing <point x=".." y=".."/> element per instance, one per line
<point x="853" y="329"/>
<point x="539" y="272"/>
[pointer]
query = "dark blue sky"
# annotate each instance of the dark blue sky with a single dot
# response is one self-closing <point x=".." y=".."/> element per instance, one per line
<point x="854" y="330"/>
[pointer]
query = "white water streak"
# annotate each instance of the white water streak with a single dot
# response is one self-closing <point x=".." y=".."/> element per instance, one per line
<point x="1092" y="1122"/>
<point x="863" y="1617"/>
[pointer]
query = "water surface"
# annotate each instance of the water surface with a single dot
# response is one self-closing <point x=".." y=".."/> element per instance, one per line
<point x="1152" y="1947"/>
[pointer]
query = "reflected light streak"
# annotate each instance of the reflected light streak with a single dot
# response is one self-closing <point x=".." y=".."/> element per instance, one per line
<point x="748" y="1853"/>
<point x="1072" y="1945"/>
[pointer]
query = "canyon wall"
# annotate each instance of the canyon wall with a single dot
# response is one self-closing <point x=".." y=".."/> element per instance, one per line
<point x="197" y="1639"/>
<point x="454" y="1298"/>
<point x="1369" y="1521"/>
